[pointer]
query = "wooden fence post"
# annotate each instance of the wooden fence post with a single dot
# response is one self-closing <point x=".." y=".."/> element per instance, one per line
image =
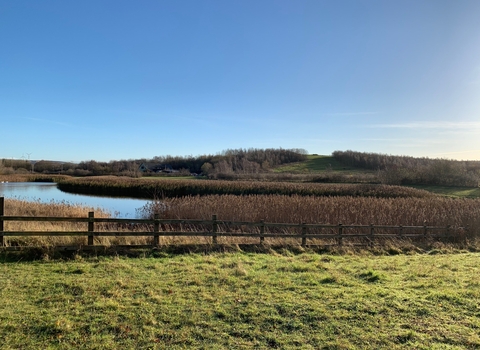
<point x="340" y="233"/>
<point x="2" y="212"/>
<point x="262" y="231"/>
<point x="400" y="231"/>
<point x="156" y="229"/>
<point x="304" y="235"/>
<point x="425" y="231"/>
<point x="91" y="227"/>
<point x="214" y="229"/>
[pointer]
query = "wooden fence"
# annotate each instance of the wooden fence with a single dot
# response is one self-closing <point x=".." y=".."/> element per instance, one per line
<point x="311" y="234"/>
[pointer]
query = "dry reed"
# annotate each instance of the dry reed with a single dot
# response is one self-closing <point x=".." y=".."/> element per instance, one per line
<point x="33" y="178"/>
<point x="14" y="207"/>
<point x="436" y="211"/>
<point x="150" y="188"/>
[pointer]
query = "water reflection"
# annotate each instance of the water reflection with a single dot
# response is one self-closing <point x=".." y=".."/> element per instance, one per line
<point x="48" y="192"/>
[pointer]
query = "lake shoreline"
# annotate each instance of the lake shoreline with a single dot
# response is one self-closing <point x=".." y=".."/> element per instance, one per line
<point x="48" y="192"/>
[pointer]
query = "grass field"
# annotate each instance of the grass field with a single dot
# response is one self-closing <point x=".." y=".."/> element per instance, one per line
<point x="243" y="301"/>
<point x="456" y="192"/>
<point x="317" y="163"/>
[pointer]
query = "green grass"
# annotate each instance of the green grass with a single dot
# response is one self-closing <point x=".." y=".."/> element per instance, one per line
<point x="317" y="164"/>
<point x="457" y="192"/>
<point x="243" y="301"/>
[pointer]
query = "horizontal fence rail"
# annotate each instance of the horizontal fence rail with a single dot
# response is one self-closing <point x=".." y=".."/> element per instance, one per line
<point x="157" y="229"/>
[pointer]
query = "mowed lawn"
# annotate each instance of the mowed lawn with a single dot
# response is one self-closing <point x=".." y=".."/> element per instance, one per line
<point x="242" y="301"/>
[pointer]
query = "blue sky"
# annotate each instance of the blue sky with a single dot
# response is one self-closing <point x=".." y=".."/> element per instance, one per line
<point x="110" y="80"/>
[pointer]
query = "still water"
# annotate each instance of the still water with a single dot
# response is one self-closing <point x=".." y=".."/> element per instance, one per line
<point x="48" y="192"/>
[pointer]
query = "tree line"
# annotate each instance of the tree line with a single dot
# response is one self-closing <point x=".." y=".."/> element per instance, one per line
<point x="230" y="161"/>
<point x="250" y="161"/>
<point x="406" y="170"/>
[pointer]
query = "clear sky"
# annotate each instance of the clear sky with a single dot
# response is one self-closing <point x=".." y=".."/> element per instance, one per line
<point x="110" y="80"/>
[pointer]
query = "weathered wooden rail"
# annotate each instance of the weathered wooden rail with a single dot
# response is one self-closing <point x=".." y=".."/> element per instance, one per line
<point x="329" y="234"/>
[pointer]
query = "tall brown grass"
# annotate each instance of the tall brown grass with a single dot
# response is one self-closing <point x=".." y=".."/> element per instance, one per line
<point x="148" y="188"/>
<point x="437" y="211"/>
<point x="14" y="207"/>
<point x="32" y="178"/>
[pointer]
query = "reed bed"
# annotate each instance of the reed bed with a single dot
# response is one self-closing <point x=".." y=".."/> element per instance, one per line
<point x="33" y="178"/>
<point x="436" y="211"/>
<point x="167" y="188"/>
<point x="15" y="207"/>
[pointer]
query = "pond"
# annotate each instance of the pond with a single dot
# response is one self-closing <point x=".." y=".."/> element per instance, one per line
<point x="46" y="192"/>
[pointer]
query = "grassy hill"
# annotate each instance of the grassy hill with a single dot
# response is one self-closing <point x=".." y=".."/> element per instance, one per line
<point x="322" y="165"/>
<point x="316" y="164"/>
<point x="455" y="192"/>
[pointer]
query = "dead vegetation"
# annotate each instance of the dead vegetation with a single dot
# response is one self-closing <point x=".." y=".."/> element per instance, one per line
<point x="253" y="208"/>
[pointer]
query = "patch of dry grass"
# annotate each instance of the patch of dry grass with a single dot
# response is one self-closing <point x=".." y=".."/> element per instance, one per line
<point x="14" y="207"/>
<point x="32" y="178"/>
